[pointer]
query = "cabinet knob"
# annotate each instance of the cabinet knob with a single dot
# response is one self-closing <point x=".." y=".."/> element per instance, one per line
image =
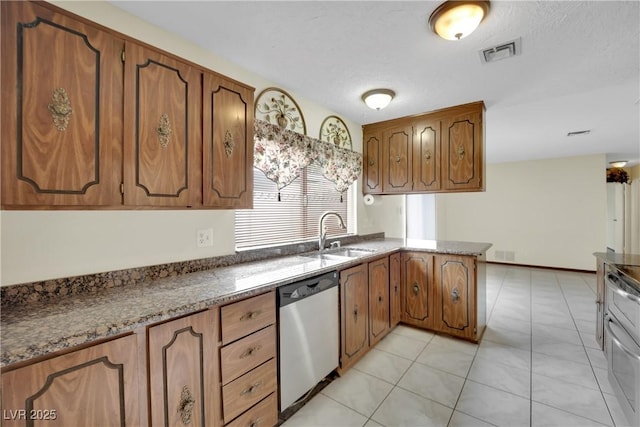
<point x="255" y="422"/>
<point x="379" y="299"/>
<point x="416" y="288"/>
<point x="251" y="389"/>
<point x="461" y="151"/>
<point x="60" y="109"/>
<point x="428" y="155"/>
<point x="250" y="315"/>
<point x="355" y="313"/>
<point x="185" y="407"/>
<point x="371" y="162"/>
<point x="454" y="294"/>
<point x="397" y="159"/>
<point x="250" y="351"/>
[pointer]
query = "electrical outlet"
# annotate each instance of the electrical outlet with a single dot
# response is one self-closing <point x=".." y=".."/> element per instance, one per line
<point x="205" y="238"/>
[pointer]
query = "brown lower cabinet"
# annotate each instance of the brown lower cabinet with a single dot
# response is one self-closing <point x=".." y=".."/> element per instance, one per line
<point x="192" y="377"/>
<point x="444" y="293"/>
<point x="95" y="386"/>
<point x="366" y="306"/>
<point x="438" y="292"/>
<point x="183" y="370"/>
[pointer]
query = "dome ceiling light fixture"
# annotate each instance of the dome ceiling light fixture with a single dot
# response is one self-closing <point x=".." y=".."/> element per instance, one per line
<point x="455" y="20"/>
<point x="377" y="99"/>
<point x="618" y="163"/>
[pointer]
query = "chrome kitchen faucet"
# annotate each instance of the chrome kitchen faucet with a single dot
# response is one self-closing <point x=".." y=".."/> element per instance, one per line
<point x="322" y="230"/>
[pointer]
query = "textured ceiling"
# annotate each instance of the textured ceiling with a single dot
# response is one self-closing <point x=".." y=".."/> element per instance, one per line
<point x="579" y="68"/>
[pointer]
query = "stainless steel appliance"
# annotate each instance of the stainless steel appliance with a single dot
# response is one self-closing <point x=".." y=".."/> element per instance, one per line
<point x="622" y="337"/>
<point x="309" y="335"/>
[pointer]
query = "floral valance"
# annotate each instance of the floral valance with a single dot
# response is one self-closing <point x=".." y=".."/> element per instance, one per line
<point x="282" y="154"/>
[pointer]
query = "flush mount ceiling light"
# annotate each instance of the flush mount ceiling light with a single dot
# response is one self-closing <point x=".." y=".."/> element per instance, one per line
<point x="618" y="163"/>
<point x="454" y="20"/>
<point x="377" y="99"/>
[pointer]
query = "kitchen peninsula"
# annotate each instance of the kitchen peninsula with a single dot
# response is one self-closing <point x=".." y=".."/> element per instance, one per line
<point x="216" y="313"/>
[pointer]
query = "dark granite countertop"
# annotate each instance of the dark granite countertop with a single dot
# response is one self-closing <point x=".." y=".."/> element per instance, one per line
<point x="41" y="328"/>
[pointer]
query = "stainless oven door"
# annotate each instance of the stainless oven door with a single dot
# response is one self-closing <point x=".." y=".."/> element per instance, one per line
<point x="623" y="358"/>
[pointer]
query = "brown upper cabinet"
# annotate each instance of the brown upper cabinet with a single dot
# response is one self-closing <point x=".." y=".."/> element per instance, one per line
<point x="61" y="110"/>
<point x="228" y="143"/>
<point x="439" y="151"/>
<point x="95" y="119"/>
<point x="162" y="157"/>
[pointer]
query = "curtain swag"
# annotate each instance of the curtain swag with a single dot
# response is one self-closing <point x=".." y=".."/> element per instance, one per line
<point x="282" y="154"/>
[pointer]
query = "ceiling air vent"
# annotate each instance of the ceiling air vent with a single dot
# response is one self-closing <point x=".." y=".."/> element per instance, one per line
<point x="501" y="51"/>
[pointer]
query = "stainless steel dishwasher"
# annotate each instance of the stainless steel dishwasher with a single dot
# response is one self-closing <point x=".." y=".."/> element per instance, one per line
<point x="309" y="335"/>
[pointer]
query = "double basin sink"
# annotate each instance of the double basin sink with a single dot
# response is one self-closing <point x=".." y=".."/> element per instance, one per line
<point x="340" y="254"/>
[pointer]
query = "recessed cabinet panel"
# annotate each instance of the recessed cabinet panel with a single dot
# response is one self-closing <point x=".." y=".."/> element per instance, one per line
<point x="395" y="290"/>
<point x="397" y="160"/>
<point x="417" y="269"/>
<point x="95" y="386"/>
<point x="354" y="313"/>
<point x="454" y="295"/>
<point x="61" y="110"/>
<point x="228" y="143"/>
<point x="378" y="299"/>
<point x="426" y="158"/>
<point x="183" y="367"/>
<point x="372" y="153"/>
<point x="463" y="153"/>
<point x="162" y="130"/>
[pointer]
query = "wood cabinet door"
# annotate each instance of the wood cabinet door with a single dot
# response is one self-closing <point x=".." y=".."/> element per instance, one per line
<point x="228" y="143"/>
<point x="463" y="155"/>
<point x="372" y="152"/>
<point x="395" y="301"/>
<point x="354" y="314"/>
<point x="417" y="292"/>
<point x="378" y="300"/>
<point x="184" y="371"/>
<point x="96" y="386"/>
<point x="162" y="130"/>
<point x="61" y="110"/>
<point x="426" y="155"/>
<point x="455" y="295"/>
<point x="397" y="155"/>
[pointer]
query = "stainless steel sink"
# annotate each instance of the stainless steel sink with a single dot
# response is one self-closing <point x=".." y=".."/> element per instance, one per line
<point x="340" y="254"/>
<point x="350" y="252"/>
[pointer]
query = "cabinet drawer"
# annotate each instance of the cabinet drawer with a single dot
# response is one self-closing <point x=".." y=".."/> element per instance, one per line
<point x="247" y="353"/>
<point x="244" y="317"/>
<point x="252" y="387"/>
<point x="264" y="414"/>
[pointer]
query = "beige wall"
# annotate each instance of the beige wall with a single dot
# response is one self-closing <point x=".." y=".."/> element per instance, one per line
<point x="548" y="212"/>
<point x="40" y="245"/>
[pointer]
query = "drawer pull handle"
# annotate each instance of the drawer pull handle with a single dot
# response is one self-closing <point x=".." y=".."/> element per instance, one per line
<point x="617" y="341"/>
<point x="454" y="294"/>
<point x="252" y="388"/>
<point x="250" y="315"/>
<point x="250" y="351"/>
<point x="416" y="288"/>
<point x="255" y="422"/>
<point x="185" y="407"/>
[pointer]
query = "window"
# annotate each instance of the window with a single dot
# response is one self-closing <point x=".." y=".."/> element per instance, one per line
<point x="295" y="217"/>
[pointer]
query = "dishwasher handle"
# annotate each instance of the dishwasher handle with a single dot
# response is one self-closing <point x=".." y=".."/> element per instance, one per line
<point x="293" y="292"/>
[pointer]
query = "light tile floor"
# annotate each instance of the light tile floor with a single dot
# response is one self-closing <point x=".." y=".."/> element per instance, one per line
<point x="537" y="365"/>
